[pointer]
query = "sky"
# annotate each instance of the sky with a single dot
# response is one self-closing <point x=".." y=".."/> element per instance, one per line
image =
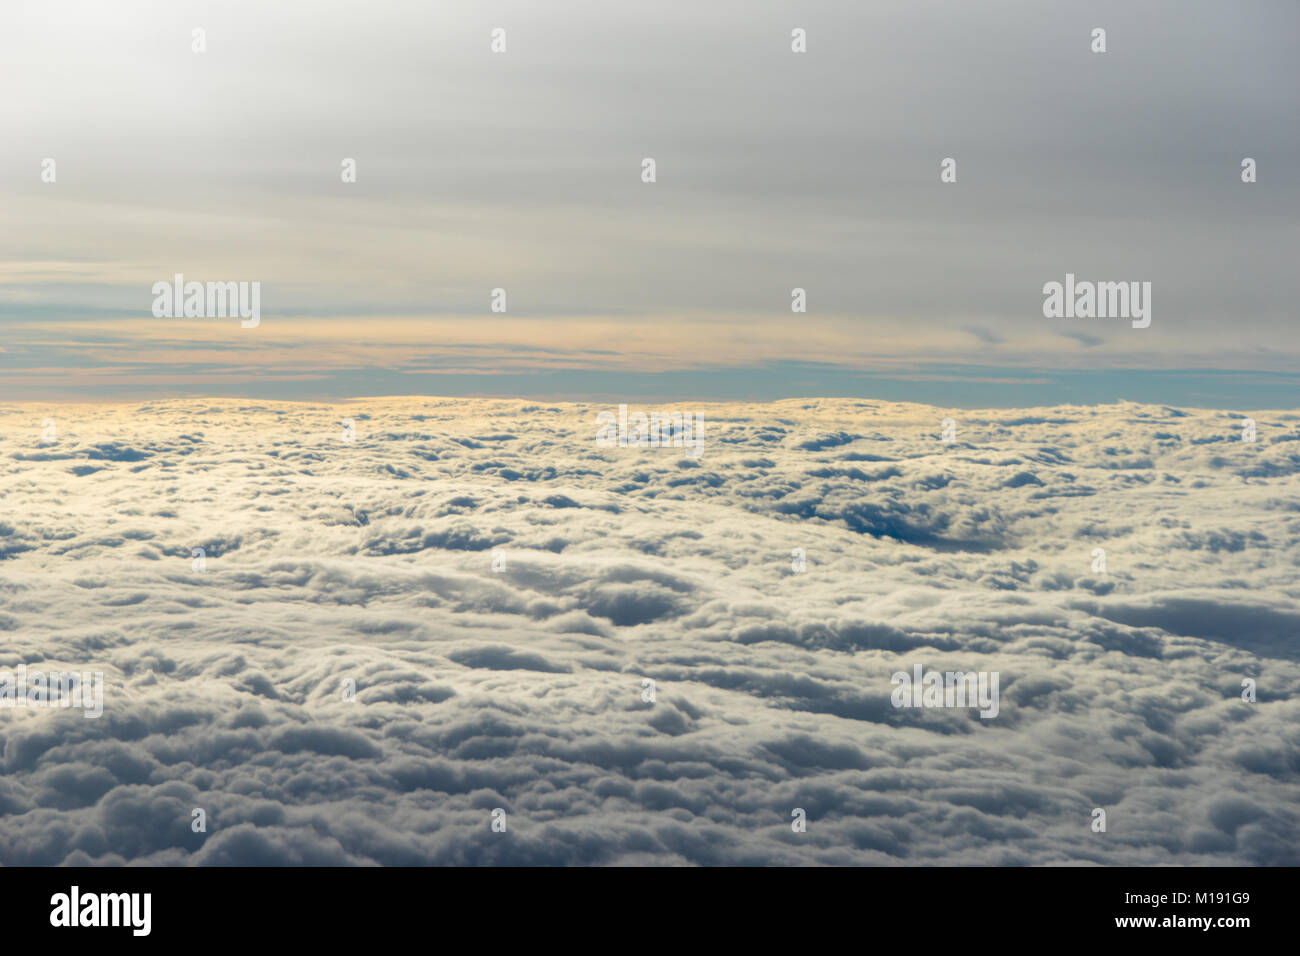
<point x="775" y="170"/>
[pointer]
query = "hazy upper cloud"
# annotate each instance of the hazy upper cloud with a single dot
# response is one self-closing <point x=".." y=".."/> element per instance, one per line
<point x="521" y="688"/>
<point x="521" y="171"/>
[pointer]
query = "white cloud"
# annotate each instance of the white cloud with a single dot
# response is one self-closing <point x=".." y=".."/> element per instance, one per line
<point x="522" y="688"/>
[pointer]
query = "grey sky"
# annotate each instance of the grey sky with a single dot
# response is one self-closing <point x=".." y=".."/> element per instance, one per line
<point x="775" y="170"/>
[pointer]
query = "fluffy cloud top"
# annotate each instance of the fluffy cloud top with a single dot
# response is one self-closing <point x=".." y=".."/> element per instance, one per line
<point x="521" y="687"/>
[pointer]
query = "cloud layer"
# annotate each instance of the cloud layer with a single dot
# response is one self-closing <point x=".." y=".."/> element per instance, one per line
<point x="521" y="688"/>
<point x="521" y="170"/>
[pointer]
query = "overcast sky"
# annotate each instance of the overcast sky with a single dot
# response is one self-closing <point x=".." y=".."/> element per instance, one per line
<point x="522" y="170"/>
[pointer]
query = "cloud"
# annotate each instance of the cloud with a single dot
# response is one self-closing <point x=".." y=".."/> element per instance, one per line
<point x="370" y="565"/>
<point x="521" y="171"/>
